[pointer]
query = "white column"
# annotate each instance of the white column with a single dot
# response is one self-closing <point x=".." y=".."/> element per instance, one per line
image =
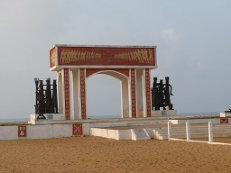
<point x="188" y="132"/>
<point x="210" y="130"/>
<point x="124" y="98"/>
<point x="76" y="111"/>
<point x="169" y="129"/>
<point x="60" y="91"/>
<point x="140" y="93"/>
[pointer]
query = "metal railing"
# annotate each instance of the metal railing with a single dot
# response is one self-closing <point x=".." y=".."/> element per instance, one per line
<point x="210" y="125"/>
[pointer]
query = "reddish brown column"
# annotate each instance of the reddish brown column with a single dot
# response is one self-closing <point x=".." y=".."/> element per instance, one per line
<point x="83" y="93"/>
<point x="67" y="94"/>
<point x="148" y="99"/>
<point x="133" y="92"/>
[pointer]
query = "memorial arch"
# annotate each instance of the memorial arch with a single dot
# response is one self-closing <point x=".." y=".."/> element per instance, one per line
<point x="123" y="79"/>
<point x="131" y="65"/>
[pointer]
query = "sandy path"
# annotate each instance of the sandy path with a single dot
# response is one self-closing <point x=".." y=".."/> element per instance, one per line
<point x="93" y="154"/>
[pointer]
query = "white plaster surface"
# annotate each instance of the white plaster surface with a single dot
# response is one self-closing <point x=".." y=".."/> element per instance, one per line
<point x="124" y="134"/>
<point x="155" y="127"/>
<point x="121" y="134"/>
<point x="8" y="132"/>
<point x="225" y="114"/>
<point x="34" y="120"/>
<point x="47" y="131"/>
<point x="164" y="113"/>
<point x="197" y="121"/>
<point x="106" y="133"/>
<point x="156" y="114"/>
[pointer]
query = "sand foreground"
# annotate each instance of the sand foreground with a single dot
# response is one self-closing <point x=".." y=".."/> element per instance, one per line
<point x="94" y="154"/>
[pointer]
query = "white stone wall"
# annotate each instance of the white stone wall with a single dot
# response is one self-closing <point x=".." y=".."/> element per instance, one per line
<point x="8" y="132"/>
<point x="49" y="131"/>
<point x="155" y="128"/>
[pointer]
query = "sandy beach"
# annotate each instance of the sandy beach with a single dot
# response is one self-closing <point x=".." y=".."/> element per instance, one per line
<point x="94" y="154"/>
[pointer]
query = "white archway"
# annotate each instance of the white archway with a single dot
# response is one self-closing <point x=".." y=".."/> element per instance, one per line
<point x="124" y="90"/>
<point x="103" y="98"/>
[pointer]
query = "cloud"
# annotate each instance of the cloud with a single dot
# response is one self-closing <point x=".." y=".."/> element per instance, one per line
<point x="169" y="36"/>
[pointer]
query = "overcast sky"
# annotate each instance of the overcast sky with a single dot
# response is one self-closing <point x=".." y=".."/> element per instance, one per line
<point x="193" y="41"/>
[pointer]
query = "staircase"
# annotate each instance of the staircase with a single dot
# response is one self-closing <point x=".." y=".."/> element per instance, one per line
<point x="139" y="134"/>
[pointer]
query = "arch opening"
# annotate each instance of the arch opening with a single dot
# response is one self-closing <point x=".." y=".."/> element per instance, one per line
<point x="106" y="94"/>
<point x="103" y="98"/>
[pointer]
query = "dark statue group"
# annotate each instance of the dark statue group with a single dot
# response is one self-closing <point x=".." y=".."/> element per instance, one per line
<point x="161" y="95"/>
<point x="45" y="98"/>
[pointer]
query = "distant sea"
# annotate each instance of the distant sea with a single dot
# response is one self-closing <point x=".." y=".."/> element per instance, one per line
<point x="179" y="114"/>
<point x="4" y="120"/>
<point x="109" y="116"/>
<point x="199" y="114"/>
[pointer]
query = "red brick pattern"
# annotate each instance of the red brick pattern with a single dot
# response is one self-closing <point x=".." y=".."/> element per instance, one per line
<point x="77" y="129"/>
<point x="133" y="92"/>
<point x="148" y="99"/>
<point x="224" y="121"/>
<point x="83" y="93"/>
<point x="22" y="131"/>
<point x="67" y="94"/>
<point x="52" y="57"/>
<point x="107" y="56"/>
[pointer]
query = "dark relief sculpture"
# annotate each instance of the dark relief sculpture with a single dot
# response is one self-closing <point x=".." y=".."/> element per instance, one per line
<point x="45" y="97"/>
<point x="161" y="94"/>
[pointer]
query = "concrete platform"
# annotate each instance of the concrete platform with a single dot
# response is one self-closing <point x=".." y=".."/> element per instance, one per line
<point x="225" y="114"/>
<point x="119" y="128"/>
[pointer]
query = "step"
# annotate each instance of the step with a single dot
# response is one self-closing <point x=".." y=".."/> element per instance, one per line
<point x="139" y="134"/>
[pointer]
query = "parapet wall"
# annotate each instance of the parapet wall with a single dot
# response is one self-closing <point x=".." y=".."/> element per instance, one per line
<point x="45" y="129"/>
<point x="155" y="127"/>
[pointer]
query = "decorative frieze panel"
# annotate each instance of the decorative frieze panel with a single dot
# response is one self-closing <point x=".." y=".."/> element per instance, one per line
<point x="133" y="92"/>
<point x="77" y="129"/>
<point x="148" y="99"/>
<point x="83" y="92"/>
<point x="67" y="94"/>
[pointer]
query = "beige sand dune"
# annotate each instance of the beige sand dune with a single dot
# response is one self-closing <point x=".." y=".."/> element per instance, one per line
<point x="94" y="154"/>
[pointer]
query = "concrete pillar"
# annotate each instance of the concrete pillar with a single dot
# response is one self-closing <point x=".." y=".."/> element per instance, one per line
<point x="124" y="98"/>
<point x="83" y="93"/>
<point x="140" y="93"/>
<point x="169" y="129"/>
<point x="76" y="106"/>
<point x="210" y="132"/>
<point x="60" y="91"/>
<point x="188" y="132"/>
<point x="148" y="93"/>
<point x="64" y="93"/>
